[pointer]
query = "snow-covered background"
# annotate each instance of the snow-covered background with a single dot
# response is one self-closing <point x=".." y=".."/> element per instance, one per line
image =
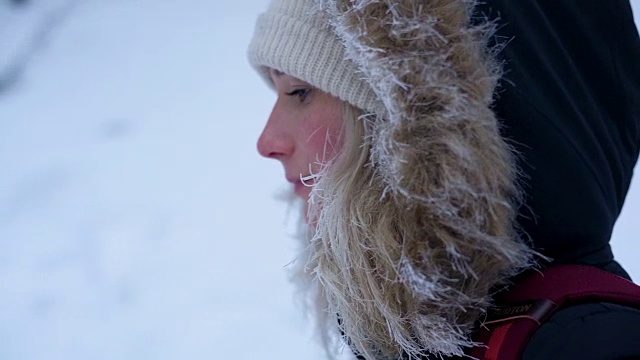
<point x="137" y="221"/>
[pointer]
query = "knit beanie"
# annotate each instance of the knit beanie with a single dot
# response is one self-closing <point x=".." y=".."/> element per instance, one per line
<point x="293" y="37"/>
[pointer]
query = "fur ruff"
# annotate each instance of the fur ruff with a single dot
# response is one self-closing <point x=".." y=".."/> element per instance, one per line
<point x="414" y="227"/>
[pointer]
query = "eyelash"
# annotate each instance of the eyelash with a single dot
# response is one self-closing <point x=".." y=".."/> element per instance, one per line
<point x="301" y="94"/>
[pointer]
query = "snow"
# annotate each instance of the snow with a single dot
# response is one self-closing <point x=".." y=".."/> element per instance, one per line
<point x="137" y="220"/>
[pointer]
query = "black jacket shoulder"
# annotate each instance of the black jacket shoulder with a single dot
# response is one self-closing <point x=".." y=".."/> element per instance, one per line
<point x="593" y="331"/>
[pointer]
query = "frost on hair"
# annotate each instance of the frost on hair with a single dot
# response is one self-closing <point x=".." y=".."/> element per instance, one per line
<point x="414" y="222"/>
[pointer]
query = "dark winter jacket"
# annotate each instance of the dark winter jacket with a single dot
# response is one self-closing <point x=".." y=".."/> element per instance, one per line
<point x="570" y="104"/>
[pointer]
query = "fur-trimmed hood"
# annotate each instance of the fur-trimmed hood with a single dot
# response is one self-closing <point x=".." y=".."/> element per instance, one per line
<point x="406" y="249"/>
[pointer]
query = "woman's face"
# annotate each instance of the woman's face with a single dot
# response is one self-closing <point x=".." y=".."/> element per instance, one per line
<point x="303" y="130"/>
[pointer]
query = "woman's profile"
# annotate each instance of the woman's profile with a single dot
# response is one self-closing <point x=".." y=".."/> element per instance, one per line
<point x="440" y="161"/>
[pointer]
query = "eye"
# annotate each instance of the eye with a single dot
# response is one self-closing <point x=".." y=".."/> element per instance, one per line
<point x="301" y="94"/>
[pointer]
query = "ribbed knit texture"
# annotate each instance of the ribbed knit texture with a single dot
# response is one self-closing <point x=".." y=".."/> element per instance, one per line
<point x="293" y="38"/>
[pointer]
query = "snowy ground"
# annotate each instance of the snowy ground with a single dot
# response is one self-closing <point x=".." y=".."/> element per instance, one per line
<point x="136" y="218"/>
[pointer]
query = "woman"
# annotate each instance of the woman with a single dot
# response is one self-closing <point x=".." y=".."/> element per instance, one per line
<point x="423" y="198"/>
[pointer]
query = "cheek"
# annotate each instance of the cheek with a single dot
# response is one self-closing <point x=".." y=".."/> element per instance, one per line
<point x="322" y="136"/>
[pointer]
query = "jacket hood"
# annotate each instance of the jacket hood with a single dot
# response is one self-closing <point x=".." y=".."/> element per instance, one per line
<point x="410" y="239"/>
<point x="569" y="102"/>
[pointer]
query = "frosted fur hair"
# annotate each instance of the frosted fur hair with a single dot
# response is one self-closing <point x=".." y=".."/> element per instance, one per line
<point x="414" y="221"/>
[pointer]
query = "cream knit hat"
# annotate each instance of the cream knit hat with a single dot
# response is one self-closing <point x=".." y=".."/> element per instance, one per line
<point x="293" y="37"/>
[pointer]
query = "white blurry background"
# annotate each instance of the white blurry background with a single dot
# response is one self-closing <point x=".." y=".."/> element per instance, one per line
<point x="137" y="221"/>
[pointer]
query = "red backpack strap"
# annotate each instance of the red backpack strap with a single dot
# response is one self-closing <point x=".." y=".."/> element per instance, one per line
<point x="508" y="327"/>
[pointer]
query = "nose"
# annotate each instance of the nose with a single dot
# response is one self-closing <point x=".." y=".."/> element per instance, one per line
<point x="275" y="142"/>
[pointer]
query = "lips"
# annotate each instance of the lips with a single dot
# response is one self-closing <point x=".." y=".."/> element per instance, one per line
<point x="300" y="189"/>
